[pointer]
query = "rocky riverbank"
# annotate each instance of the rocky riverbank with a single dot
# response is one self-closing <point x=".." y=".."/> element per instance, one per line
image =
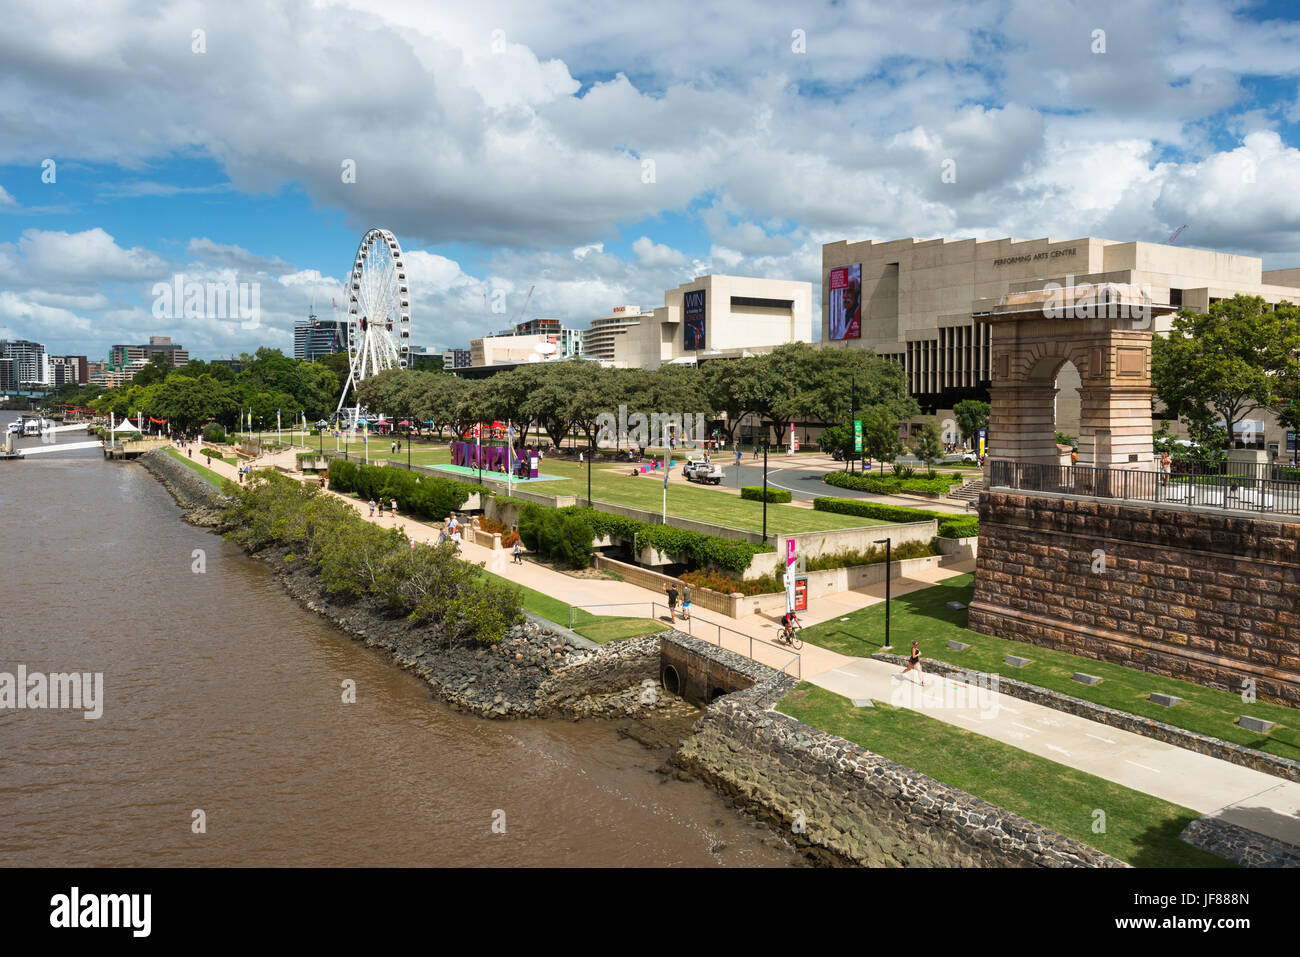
<point x="202" y="504"/>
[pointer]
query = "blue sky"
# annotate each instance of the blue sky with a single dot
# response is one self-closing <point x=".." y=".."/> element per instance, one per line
<point x="503" y="145"/>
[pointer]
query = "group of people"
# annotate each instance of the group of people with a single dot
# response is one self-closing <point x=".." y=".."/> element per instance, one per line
<point x="673" y="594"/>
<point x="392" y="509"/>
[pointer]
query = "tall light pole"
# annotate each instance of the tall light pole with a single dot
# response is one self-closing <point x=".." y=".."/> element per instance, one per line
<point x="590" y="453"/>
<point x="764" y="490"/>
<point x="888" y="576"/>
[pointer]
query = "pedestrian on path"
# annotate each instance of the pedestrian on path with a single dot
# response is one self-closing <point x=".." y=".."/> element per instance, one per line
<point x="913" y="661"/>
<point x="671" y="590"/>
<point x="381" y="506"/>
<point x="393" y="508"/>
<point x="372" y="508"/>
<point x="518" y="554"/>
<point x="686" y="602"/>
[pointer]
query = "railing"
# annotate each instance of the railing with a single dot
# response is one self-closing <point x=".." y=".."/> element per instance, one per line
<point x="690" y="624"/>
<point x="1232" y="486"/>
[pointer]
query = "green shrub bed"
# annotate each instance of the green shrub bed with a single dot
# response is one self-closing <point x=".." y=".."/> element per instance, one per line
<point x="950" y="526"/>
<point x="889" y="484"/>
<point x="421" y="496"/>
<point x="755" y="494"/>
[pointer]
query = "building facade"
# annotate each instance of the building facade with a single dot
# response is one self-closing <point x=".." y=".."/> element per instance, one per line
<point x="456" y="359"/>
<point x="122" y="356"/>
<point x="598" y="341"/>
<point x="718" y="317"/>
<point x="314" y="338"/>
<point x="925" y="303"/>
<point x="27" y="365"/>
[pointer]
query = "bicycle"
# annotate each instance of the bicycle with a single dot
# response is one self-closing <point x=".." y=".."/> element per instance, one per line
<point x="787" y="636"/>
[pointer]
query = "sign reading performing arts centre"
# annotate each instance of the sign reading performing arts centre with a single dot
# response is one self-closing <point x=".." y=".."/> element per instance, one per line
<point x="1035" y="257"/>
<point x="693" y="319"/>
<point x="844" y="285"/>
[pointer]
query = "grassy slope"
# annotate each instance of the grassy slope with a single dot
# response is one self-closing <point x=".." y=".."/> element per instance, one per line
<point x="598" y="628"/>
<point x="1140" y="829"/>
<point x="217" y="481"/>
<point x="924" y="617"/>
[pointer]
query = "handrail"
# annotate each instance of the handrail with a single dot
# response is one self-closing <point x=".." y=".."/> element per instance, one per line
<point x="690" y="622"/>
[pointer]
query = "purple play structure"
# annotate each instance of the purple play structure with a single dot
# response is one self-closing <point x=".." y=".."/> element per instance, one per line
<point x="493" y="458"/>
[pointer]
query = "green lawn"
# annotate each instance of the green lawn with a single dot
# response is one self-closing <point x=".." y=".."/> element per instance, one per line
<point x="620" y="488"/>
<point x="598" y="628"/>
<point x="1140" y="830"/>
<point x="217" y="481"/>
<point x="923" y="616"/>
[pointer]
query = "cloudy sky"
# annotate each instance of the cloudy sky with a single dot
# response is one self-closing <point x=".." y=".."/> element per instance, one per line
<point x="603" y="153"/>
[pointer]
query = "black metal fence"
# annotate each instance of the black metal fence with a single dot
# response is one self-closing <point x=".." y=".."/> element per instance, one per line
<point x="1230" y="486"/>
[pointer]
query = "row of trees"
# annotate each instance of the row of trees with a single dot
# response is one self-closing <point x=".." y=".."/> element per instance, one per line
<point x="201" y="392"/>
<point x="792" y="383"/>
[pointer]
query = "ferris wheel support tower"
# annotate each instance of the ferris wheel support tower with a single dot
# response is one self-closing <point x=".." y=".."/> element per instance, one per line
<point x="379" y="313"/>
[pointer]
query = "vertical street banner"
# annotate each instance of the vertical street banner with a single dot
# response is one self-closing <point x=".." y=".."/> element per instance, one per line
<point x="794" y="439"/>
<point x="693" y="319"/>
<point x="983" y="434"/>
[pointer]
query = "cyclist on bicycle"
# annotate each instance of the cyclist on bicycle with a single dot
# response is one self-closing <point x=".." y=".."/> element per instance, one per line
<point x="789" y="622"/>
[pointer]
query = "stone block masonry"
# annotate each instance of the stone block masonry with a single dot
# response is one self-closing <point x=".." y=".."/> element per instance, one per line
<point x="1207" y="597"/>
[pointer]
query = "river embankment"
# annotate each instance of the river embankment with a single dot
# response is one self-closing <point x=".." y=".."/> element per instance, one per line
<point x="538" y="670"/>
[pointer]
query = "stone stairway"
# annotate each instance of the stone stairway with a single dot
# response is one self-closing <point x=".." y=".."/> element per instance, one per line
<point x="970" y="492"/>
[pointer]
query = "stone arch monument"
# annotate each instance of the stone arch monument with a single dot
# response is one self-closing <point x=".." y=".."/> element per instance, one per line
<point x="1105" y="331"/>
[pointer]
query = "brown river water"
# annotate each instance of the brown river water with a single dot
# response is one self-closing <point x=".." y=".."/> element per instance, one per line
<point x="222" y="694"/>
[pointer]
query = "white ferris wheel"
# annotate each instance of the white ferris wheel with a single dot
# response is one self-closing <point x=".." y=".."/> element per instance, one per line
<point x="379" y="312"/>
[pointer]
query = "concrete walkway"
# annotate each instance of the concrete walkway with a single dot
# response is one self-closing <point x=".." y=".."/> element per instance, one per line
<point x="1251" y="799"/>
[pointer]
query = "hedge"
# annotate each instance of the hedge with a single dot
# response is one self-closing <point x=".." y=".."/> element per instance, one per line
<point x="950" y="526"/>
<point x="420" y="496"/>
<point x="755" y="493"/>
<point x="888" y="484"/>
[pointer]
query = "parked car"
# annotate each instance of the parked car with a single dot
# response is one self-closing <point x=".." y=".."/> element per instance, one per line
<point x="971" y="457"/>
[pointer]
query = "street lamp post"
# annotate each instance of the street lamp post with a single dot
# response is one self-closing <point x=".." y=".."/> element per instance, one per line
<point x="853" y="408"/>
<point x="765" y="490"/>
<point x="590" y="453"/>
<point x="885" y="542"/>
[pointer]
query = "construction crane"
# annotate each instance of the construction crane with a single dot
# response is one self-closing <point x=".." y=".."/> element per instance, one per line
<point x="1177" y="232"/>
<point x="524" y="308"/>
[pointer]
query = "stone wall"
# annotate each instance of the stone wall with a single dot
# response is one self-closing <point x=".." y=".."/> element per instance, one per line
<point x="849" y="805"/>
<point x="1202" y="596"/>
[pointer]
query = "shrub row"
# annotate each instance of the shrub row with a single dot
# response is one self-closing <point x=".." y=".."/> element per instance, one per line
<point x="755" y="493"/>
<point x="420" y="496"/>
<point x="950" y="526"/>
<point x="214" y="433"/>
<point x="889" y="484"/>
<point x="773" y="583"/>
<point x="356" y="559"/>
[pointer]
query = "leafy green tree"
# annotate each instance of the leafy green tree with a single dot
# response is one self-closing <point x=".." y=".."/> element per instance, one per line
<point x="928" y="443"/>
<point x="972" y="415"/>
<point x="1222" y="365"/>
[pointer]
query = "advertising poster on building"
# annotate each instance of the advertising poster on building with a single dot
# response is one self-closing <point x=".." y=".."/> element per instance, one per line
<point x="693" y="319"/>
<point x="844" y="288"/>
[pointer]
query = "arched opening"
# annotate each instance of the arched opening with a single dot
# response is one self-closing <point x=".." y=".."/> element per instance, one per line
<point x="1069" y="406"/>
<point x="670" y="680"/>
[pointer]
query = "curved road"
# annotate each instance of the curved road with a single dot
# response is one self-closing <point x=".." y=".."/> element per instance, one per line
<point x="806" y="482"/>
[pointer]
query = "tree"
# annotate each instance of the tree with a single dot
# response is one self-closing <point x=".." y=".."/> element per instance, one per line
<point x="880" y="433"/>
<point x="1220" y="366"/>
<point x="928" y="444"/>
<point x="972" y="415"/>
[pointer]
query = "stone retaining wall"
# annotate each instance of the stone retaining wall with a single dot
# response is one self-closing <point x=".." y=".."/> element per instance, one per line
<point x="1239" y="845"/>
<point x="1147" y="727"/>
<point x="1203" y="596"/>
<point x="849" y="804"/>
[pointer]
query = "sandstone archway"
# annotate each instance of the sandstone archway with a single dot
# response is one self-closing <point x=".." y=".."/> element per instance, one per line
<point x="1105" y="332"/>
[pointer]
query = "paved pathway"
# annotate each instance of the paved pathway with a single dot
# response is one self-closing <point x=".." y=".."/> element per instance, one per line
<point x="1251" y="799"/>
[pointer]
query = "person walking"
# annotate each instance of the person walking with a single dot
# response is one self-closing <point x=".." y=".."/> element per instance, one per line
<point x="671" y="590"/>
<point x="393" y="507"/>
<point x="913" y="662"/>
<point x="372" y="508"/>
<point x="518" y="553"/>
<point x="1166" y="466"/>
<point x="686" y="602"/>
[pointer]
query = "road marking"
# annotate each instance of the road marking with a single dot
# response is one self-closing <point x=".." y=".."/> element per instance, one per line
<point x="1095" y="737"/>
<point x="1142" y="766"/>
<point x="1027" y="727"/>
<point x="1052" y="747"/>
<point x="1009" y="710"/>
